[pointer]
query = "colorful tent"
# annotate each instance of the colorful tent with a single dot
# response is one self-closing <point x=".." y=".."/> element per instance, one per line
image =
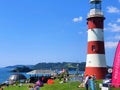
<point x="50" y="81"/>
<point x="42" y="72"/>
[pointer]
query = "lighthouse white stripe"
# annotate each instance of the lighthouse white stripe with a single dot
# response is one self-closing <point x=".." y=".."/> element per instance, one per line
<point x="95" y="12"/>
<point x="96" y="60"/>
<point x="95" y="34"/>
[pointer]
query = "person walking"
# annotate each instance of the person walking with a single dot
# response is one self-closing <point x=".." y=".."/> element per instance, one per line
<point x="91" y="83"/>
<point x="86" y="81"/>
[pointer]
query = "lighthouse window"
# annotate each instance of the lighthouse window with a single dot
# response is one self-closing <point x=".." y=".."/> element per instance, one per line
<point x="95" y="5"/>
<point x="93" y="48"/>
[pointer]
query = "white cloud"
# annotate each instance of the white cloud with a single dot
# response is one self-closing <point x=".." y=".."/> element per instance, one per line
<point x="111" y="9"/>
<point x="111" y="44"/>
<point x="114" y="27"/>
<point x="77" y="19"/>
<point x="117" y="37"/>
<point x="118" y="20"/>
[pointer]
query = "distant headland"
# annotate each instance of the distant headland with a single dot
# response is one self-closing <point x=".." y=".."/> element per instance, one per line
<point x="47" y="66"/>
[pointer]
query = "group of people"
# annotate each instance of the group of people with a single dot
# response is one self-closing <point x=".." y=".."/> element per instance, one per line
<point x="88" y="82"/>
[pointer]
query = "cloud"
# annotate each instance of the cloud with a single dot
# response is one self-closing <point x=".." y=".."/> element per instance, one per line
<point x="111" y="44"/>
<point x="79" y="19"/>
<point x="117" y="37"/>
<point x="118" y="20"/>
<point x="113" y="27"/>
<point x="111" y="9"/>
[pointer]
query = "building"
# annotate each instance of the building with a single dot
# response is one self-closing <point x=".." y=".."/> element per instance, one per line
<point x="96" y="62"/>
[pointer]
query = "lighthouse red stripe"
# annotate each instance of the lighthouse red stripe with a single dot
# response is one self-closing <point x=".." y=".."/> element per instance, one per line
<point x="100" y="72"/>
<point x="95" y="22"/>
<point x="96" y="47"/>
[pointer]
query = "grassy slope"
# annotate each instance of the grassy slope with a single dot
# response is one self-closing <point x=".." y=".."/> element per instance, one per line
<point x="56" y="86"/>
<point x="65" y="86"/>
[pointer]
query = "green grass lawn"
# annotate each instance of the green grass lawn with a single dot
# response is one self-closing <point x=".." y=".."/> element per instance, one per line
<point x="56" y="86"/>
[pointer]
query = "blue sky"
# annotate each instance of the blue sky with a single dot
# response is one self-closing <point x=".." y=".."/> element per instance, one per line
<point x="33" y="31"/>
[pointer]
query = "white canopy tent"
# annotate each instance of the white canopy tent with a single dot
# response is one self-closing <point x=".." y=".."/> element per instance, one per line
<point x="41" y="72"/>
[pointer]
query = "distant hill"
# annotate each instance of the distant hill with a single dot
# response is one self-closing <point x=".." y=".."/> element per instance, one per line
<point x="21" y="69"/>
<point x="44" y="65"/>
<point x="15" y="66"/>
<point x="59" y="66"/>
<point x="47" y="66"/>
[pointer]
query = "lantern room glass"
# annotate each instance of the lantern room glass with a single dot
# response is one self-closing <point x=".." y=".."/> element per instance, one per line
<point x="95" y="5"/>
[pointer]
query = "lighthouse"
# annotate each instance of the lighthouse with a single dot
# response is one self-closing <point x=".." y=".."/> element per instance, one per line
<point x="95" y="61"/>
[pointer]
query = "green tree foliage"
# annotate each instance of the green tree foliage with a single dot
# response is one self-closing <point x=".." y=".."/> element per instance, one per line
<point x="21" y="69"/>
<point x="59" y="66"/>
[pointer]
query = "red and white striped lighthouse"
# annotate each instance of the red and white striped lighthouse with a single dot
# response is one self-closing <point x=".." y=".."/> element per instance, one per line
<point x="96" y="62"/>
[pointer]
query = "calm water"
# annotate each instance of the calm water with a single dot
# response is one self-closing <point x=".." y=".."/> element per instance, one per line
<point x="5" y="74"/>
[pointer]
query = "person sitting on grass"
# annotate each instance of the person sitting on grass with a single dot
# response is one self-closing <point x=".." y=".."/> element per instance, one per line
<point x="31" y="87"/>
<point x="37" y="87"/>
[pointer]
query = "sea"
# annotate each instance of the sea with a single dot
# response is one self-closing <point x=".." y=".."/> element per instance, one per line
<point x="5" y="74"/>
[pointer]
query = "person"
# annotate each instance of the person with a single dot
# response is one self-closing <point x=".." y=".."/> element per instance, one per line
<point x="1" y="88"/>
<point x="31" y="87"/>
<point x="91" y="83"/>
<point x="86" y="82"/>
<point x="20" y="84"/>
<point x="65" y="79"/>
<point x="43" y="78"/>
<point x="81" y="85"/>
<point x="94" y="77"/>
<point x="37" y="87"/>
<point x="82" y="82"/>
<point x="107" y="82"/>
<point x="7" y="83"/>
